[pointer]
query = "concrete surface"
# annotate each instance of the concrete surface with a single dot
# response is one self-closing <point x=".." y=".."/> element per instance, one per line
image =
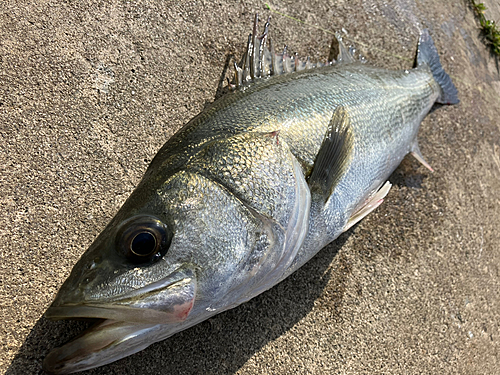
<point x="89" y="91"/>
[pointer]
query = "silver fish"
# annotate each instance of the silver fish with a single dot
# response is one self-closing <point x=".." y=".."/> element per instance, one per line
<point x="246" y="193"/>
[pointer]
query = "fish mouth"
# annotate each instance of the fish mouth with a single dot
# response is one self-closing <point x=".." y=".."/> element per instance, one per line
<point x="128" y="324"/>
<point x="168" y="300"/>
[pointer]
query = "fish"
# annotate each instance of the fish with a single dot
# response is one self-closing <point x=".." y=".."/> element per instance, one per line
<point x="249" y="190"/>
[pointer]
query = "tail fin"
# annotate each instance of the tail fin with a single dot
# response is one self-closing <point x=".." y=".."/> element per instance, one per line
<point x="427" y="54"/>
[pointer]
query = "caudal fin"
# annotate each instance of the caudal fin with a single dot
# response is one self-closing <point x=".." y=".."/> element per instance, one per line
<point x="427" y="54"/>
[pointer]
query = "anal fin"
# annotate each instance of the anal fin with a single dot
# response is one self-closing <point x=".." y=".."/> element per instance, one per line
<point x="333" y="156"/>
<point x="369" y="205"/>
<point x="415" y="151"/>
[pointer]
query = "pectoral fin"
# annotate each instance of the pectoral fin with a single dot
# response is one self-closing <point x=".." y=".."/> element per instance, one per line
<point x="333" y="156"/>
<point x="369" y="205"/>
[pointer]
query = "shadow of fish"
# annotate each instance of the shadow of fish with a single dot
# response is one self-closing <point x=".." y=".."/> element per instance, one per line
<point x="246" y="193"/>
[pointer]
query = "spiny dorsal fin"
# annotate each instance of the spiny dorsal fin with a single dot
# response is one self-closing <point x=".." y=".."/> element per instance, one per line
<point x="334" y="153"/>
<point x="260" y="61"/>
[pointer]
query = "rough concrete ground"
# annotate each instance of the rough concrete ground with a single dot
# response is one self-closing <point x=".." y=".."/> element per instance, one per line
<point x="89" y="91"/>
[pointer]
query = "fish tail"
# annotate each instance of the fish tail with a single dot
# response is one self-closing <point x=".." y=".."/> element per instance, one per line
<point x="427" y="54"/>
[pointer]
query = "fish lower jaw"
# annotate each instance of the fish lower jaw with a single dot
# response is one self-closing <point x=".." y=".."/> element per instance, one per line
<point x="104" y="343"/>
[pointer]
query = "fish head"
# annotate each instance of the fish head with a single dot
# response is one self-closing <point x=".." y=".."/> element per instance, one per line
<point x="126" y="275"/>
<point x="176" y="253"/>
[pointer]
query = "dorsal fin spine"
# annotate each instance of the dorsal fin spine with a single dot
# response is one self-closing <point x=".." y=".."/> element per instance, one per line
<point x="262" y="47"/>
<point x="238" y="75"/>
<point x="252" y="47"/>
<point x="284" y="61"/>
<point x="273" y="58"/>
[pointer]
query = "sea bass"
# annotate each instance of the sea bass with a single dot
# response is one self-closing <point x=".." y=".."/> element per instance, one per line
<point x="246" y="193"/>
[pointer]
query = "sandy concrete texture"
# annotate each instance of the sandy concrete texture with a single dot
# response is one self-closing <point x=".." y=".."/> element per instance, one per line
<point x="89" y="91"/>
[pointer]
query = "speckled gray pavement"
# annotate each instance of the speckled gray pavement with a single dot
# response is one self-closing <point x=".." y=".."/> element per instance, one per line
<point x="89" y="91"/>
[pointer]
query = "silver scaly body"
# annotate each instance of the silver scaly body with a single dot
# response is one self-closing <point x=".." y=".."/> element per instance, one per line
<point x="242" y="196"/>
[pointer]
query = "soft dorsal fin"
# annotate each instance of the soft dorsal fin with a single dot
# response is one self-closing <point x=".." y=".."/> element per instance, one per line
<point x="260" y="59"/>
<point x="334" y="153"/>
<point x="345" y="55"/>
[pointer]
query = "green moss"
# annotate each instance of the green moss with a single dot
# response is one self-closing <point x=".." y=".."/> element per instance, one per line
<point x="490" y="29"/>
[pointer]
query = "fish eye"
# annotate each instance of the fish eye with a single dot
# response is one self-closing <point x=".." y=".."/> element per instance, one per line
<point x="143" y="239"/>
<point x="143" y="244"/>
